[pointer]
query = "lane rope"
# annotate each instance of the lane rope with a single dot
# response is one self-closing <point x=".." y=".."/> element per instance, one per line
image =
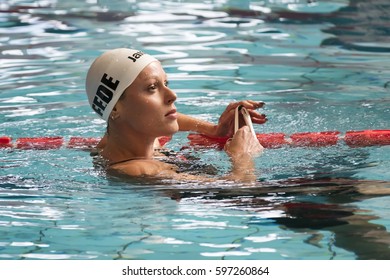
<point x="362" y="138"/>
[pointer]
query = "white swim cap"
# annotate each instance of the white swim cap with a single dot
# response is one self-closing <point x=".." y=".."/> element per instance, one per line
<point x="110" y="74"/>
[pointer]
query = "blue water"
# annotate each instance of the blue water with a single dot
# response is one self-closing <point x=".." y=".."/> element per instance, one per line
<point x="318" y="65"/>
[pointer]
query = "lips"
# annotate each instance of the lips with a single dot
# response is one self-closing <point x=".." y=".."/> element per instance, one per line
<point x="172" y="113"/>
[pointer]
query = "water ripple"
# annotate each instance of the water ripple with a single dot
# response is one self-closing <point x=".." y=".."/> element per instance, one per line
<point x="318" y="66"/>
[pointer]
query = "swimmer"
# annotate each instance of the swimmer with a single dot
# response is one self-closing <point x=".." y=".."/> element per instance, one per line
<point x="129" y="90"/>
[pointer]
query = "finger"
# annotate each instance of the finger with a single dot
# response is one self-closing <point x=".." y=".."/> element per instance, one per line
<point x="232" y="106"/>
<point x="256" y="115"/>
<point x="257" y="118"/>
<point x="227" y="144"/>
<point x="260" y="104"/>
<point x="250" y="104"/>
<point x="241" y="132"/>
<point x="259" y="121"/>
<point x="257" y="104"/>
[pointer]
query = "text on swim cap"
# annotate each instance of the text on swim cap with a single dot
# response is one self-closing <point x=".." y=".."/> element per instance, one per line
<point x="135" y="56"/>
<point x="104" y="94"/>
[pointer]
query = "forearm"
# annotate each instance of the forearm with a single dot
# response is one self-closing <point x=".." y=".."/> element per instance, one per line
<point x="188" y="123"/>
<point x="243" y="169"/>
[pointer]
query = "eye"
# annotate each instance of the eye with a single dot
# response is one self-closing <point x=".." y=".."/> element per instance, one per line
<point x="166" y="83"/>
<point x="152" y="87"/>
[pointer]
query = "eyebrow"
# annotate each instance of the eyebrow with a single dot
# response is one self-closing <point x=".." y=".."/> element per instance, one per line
<point x="154" y="77"/>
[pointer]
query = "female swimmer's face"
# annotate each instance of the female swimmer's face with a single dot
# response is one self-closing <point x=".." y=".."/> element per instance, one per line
<point x="147" y="106"/>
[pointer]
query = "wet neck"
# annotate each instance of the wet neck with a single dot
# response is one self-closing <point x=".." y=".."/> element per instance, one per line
<point x="125" y="147"/>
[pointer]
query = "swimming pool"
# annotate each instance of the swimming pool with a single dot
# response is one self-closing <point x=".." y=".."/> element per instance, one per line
<point x="318" y="66"/>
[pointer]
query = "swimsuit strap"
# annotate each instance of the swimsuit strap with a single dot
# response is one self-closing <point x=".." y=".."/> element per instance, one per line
<point x="121" y="161"/>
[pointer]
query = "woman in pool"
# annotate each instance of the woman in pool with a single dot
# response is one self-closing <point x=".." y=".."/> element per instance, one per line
<point x="129" y="90"/>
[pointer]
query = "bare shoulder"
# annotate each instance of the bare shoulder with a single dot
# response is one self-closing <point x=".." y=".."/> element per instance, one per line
<point x="143" y="168"/>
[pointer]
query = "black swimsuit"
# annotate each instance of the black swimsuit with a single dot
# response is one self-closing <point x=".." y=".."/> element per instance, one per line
<point x="184" y="163"/>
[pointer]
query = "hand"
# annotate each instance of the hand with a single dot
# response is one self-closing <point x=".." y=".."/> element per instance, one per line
<point x="225" y="125"/>
<point x="243" y="146"/>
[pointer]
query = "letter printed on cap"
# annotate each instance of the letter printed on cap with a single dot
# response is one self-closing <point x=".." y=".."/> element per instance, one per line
<point x="108" y="82"/>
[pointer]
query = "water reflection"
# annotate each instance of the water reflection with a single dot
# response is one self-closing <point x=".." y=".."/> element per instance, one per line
<point x="307" y="205"/>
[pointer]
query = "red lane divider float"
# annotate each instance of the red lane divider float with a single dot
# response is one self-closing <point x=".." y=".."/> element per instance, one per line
<point x="367" y="138"/>
<point x="47" y="143"/>
<point x="305" y="139"/>
<point x="361" y="138"/>
<point x="272" y="140"/>
<point x="315" y="139"/>
<point x="83" y="142"/>
<point x="39" y="143"/>
<point x="5" y="142"/>
<point x="56" y="142"/>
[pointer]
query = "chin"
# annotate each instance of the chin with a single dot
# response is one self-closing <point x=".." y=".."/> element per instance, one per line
<point x="176" y="129"/>
<point x="171" y="130"/>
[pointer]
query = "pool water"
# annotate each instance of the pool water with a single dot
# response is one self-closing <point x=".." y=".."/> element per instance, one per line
<point x="318" y="65"/>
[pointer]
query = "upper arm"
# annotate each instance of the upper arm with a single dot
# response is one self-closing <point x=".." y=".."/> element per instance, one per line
<point x="156" y="169"/>
<point x="138" y="168"/>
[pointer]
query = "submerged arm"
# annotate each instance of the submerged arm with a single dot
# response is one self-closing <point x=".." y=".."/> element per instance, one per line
<point x="242" y="149"/>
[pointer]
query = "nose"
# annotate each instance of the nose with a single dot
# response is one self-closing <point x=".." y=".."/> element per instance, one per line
<point x="170" y="96"/>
